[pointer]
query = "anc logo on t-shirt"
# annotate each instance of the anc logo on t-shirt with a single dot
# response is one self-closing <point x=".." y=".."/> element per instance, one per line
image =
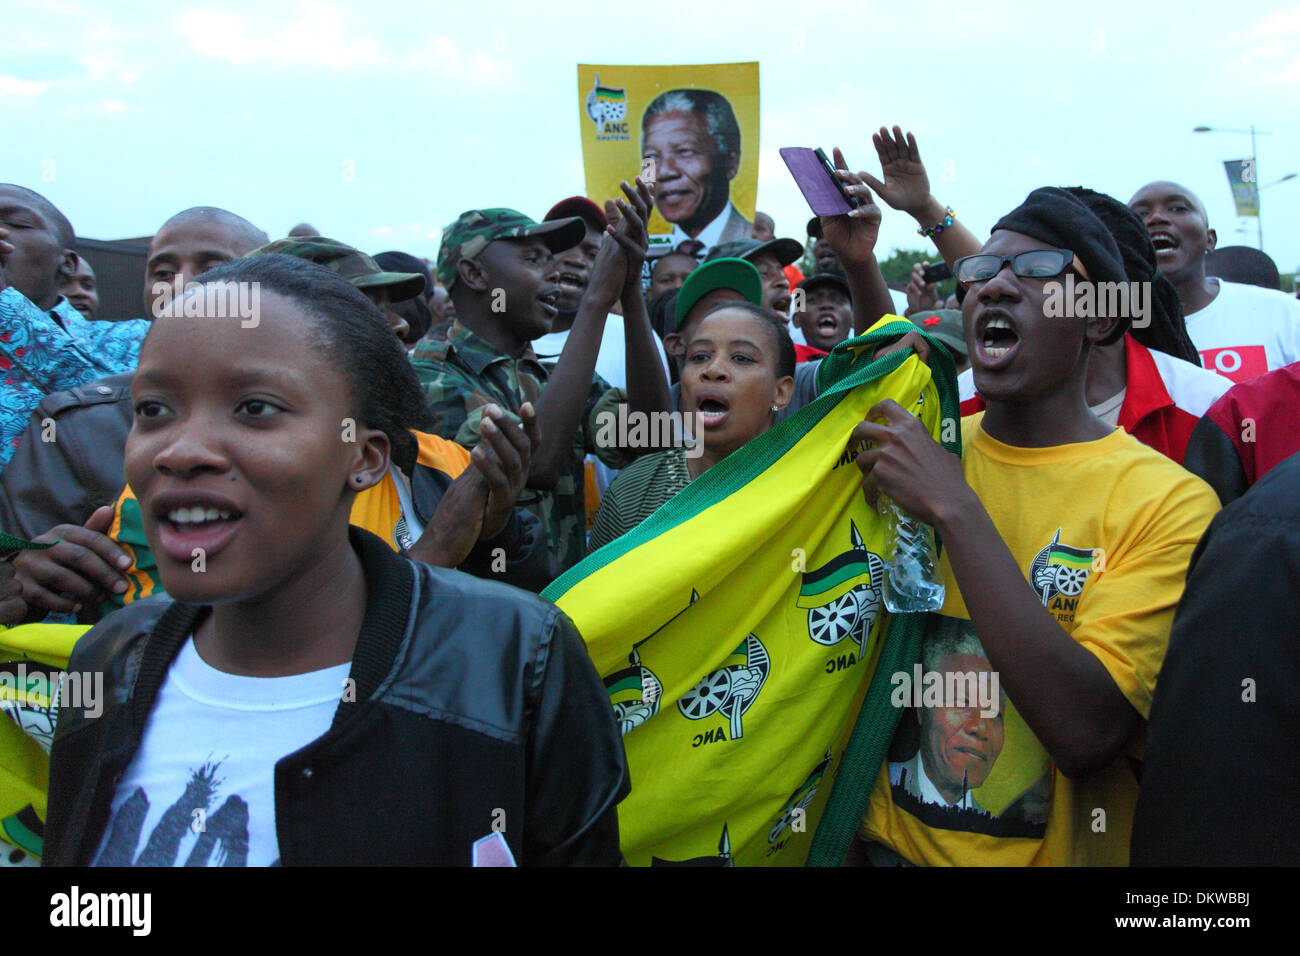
<point x="1058" y="574"/>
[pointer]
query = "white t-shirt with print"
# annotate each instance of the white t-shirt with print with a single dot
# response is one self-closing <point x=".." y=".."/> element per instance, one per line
<point x="611" y="359"/>
<point x="1246" y="331"/>
<point x="200" y="791"/>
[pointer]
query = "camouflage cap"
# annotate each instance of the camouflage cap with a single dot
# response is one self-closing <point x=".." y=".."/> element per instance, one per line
<point x="352" y="264"/>
<point x="473" y="230"/>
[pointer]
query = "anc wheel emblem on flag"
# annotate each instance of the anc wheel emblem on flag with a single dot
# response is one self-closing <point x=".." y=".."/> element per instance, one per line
<point x="801" y="799"/>
<point x="732" y="688"/>
<point x="1060" y="569"/>
<point x="635" y="691"/>
<point x="839" y="602"/>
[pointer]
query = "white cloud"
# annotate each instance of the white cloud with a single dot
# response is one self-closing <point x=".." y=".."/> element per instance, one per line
<point x="315" y="34"/>
<point x="91" y="109"/>
<point x="12" y="86"/>
<point x="1282" y="21"/>
<point x="972" y="19"/>
<point x="441" y="56"/>
<point x="1273" y="45"/>
<point x="103" y="67"/>
<point x="1289" y="75"/>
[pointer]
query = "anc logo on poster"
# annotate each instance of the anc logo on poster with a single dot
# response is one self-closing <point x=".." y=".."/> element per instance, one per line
<point x="1058" y="573"/>
<point x="607" y="108"/>
<point x="843" y="596"/>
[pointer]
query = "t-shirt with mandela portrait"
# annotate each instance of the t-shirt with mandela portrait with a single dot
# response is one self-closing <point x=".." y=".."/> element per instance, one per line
<point x="200" y="790"/>
<point x="1103" y="531"/>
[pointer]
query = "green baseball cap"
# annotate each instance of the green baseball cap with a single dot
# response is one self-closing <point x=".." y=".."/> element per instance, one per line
<point x="473" y="230"/>
<point x="735" y="274"/>
<point x="350" y="263"/>
<point x="944" y="325"/>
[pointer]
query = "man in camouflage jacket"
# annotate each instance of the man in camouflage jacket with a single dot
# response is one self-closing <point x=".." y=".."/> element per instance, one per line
<point x="498" y="266"/>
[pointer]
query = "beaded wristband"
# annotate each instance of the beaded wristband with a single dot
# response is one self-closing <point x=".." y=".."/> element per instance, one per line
<point x="939" y="227"/>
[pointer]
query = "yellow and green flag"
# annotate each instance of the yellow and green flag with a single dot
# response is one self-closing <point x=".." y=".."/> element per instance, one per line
<point x="32" y="658"/>
<point x="740" y="628"/>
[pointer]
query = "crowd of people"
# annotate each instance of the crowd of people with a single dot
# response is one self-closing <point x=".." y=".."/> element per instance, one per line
<point x="303" y="526"/>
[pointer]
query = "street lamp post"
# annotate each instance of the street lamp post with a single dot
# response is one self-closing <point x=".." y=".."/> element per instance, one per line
<point x="1254" y="162"/>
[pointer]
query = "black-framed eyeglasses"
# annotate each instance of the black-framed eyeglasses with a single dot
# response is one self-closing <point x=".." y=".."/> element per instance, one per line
<point x="1034" y="264"/>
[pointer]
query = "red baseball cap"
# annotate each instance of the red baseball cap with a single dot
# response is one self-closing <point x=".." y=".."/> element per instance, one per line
<point x="580" y="206"/>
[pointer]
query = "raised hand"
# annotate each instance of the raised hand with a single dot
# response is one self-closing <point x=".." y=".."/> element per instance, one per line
<point x="853" y="235"/>
<point x="503" y="457"/>
<point x="477" y="505"/>
<point x="628" y="221"/>
<point x="610" y="270"/>
<point x="921" y="295"/>
<point x="906" y="187"/>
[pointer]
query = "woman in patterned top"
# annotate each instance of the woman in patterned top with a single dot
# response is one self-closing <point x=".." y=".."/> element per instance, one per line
<point x="738" y="373"/>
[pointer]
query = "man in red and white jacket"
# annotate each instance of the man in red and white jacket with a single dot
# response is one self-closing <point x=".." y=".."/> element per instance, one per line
<point x="1252" y="428"/>
<point x="1160" y="404"/>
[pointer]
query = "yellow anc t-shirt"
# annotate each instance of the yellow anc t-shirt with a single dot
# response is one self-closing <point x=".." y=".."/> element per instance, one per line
<point x="1103" y="531"/>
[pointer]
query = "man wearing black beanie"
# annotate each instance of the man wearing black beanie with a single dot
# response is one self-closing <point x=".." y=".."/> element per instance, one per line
<point x="1065" y="545"/>
<point x="1150" y="382"/>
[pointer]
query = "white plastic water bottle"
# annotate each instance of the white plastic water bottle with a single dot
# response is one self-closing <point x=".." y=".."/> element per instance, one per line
<point x="912" y="581"/>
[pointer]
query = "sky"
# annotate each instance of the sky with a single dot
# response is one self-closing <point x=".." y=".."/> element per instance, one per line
<point x="380" y="123"/>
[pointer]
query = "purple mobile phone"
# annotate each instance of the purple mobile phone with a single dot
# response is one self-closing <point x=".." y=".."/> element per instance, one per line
<point x="814" y="176"/>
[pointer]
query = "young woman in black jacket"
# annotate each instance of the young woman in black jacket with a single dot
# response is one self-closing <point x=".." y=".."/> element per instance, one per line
<point x="307" y="696"/>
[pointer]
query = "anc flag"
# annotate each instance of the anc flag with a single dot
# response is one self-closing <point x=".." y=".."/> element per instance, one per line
<point x="1066" y="556"/>
<point x="32" y="658"/>
<point x="740" y="628"/>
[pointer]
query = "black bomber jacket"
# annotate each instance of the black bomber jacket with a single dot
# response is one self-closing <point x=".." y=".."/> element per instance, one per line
<point x="476" y="710"/>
